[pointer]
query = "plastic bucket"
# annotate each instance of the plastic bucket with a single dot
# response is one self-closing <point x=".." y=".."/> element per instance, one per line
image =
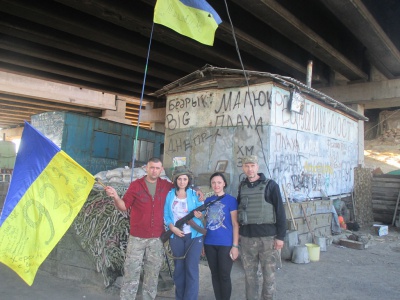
<point x="300" y="255"/>
<point x="313" y="251"/>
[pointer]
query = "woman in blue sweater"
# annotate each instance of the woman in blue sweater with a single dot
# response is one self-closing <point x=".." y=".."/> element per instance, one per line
<point x="186" y="243"/>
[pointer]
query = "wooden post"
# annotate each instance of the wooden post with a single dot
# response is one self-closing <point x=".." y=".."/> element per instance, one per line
<point x="289" y="207"/>
<point x="308" y="223"/>
<point x="395" y="210"/>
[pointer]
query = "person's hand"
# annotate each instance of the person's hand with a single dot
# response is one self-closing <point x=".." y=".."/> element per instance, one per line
<point x="177" y="231"/>
<point x="200" y="194"/>
<point x="278" y="244"/>
<point x="234" y="253"/>
<point x="198" y="214"/>
<point x="110" y="191"/>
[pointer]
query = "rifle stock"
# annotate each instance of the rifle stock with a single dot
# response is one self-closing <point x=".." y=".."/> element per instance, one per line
<point x="166" y="235"/>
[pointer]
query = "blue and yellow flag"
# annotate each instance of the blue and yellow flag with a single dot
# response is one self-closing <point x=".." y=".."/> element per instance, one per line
<point x="47" y="190"/>
<point x="193" y="18"/>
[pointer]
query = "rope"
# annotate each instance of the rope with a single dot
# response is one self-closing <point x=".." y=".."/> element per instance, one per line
<point x="248" y="86"/>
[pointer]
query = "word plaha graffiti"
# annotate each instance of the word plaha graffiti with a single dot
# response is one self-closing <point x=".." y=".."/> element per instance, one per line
<point x="307" y="152"/>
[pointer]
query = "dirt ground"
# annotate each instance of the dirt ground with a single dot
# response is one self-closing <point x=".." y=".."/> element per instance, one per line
<point x="345" y="273"/>
<point x="382" y="154"/>
<point x="341" y="273"/>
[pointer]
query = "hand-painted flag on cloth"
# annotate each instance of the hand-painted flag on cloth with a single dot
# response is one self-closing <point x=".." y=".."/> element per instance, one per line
<point x="193" y="18"/>
<point x="47" y="190"/>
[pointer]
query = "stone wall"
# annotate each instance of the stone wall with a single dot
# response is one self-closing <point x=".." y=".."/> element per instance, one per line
<point x="319" y="216"/>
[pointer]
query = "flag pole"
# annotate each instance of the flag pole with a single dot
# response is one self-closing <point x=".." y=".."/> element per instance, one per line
<point x="140" y="106"/>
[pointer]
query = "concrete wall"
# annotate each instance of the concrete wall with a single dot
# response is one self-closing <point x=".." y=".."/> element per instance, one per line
<point x="69" y="261"/>
<point x="305" y="152"/>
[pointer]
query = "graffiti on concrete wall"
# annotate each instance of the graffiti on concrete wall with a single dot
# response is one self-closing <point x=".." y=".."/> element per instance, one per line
<point x="228" y="108"/>
<point x="315" y="118"/>
<point x="313" y="151"/>
<point x="51" y="125"/>
<point x="307" y="163"/>
<point x="306" y="153"/>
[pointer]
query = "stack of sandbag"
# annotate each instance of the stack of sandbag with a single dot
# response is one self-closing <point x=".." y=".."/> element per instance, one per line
<point x="122" y="176"/>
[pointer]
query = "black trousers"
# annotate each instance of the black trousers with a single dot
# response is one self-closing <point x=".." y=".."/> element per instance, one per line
<point x="220" y="264"/>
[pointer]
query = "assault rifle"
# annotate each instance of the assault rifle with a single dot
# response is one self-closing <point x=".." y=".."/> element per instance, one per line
<point x="165" y="236"/>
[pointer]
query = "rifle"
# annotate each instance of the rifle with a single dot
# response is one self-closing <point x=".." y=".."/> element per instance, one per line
<point x="165" y="236"/>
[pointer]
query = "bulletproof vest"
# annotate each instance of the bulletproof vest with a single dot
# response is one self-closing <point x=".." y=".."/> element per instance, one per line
<point x="253" y="209"/>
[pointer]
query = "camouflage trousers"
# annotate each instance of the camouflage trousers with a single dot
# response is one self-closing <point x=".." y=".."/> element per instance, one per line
<point x="149" y="254"/>
<point x="255" y="251"/>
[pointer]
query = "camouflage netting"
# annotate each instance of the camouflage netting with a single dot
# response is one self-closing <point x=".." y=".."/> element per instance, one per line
<point x="103" y="230"/>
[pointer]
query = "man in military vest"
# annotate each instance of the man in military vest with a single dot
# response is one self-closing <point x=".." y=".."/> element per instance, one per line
<point x="262" y="220"/>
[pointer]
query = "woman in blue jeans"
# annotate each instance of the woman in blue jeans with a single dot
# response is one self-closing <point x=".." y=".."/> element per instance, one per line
<point x="186" y="243"/>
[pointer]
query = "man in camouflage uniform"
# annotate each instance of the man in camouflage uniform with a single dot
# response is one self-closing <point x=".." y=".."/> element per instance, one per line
<point x="145" y="198"/>
<point x="262" y="230"/>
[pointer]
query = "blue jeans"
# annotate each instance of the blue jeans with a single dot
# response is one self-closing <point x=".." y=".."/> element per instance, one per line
<point x="186" y="273"/>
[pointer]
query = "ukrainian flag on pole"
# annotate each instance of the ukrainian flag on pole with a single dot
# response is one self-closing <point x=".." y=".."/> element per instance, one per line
<point x="195" y="19"/>
<point x="47" y="190"/>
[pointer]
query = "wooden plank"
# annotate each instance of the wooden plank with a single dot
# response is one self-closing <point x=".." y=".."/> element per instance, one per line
<point x="385" y="190"/>
<point x="384" y="201"/>
<point x="386" y="176"/>
<point x="352" y="244"/>
<point x="384" y="207"/>
<point x="386" y="181"/>
<point x="382" y="188"/>
<point x="289" y="207"/>
<point x="395" y="210"/>
<point x="383" y="211"/>
<point x="310" y="228"/>
<point x="385" y="185"/>
<point x="383" y="197"/>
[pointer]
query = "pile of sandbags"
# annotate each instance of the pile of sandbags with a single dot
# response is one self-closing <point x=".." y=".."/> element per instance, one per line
<point x="122" y="176"/>
<point x="389" y="125"/>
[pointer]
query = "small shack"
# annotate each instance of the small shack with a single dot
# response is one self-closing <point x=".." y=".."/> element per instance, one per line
<point x="309" y="143"/>
<point x="306" y="141"/>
